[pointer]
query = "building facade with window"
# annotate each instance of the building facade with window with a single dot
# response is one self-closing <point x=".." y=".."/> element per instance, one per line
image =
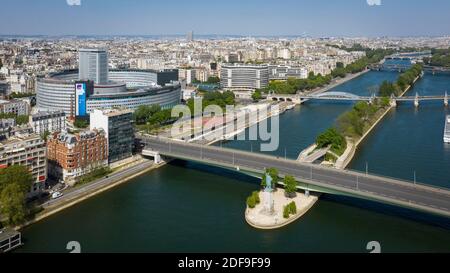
<point x="50" y="122"/>
<point x="74" y="155"/>
<point x="243" y="77"/>
<point x="16" y="107"/>
<point x="28" y="150"/>
<point x="118" y="127"/>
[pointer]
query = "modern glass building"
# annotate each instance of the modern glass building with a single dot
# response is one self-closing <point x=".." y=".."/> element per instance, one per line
<point x="93" y="65"/>
<point x="119" y="131"/>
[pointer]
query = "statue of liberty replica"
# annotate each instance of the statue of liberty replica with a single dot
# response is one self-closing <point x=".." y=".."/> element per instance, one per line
<point x="268" y="205"/>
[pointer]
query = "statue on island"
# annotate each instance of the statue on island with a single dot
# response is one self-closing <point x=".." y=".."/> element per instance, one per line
<point x="268" y="208"/>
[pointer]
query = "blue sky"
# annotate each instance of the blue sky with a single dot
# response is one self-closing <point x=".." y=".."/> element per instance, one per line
<point x="244" y="17"/>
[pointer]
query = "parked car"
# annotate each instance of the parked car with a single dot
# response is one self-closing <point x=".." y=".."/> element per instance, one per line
<point x="56" y="195"/>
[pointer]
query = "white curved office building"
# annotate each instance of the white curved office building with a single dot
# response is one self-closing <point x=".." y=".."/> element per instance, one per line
<point x="93" y="86"/>
<point x="125" y="88"/>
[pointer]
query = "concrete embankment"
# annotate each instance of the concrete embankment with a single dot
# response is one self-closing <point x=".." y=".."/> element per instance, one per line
<point x="90" y="190"/>
<point x="348" y="155"/>
<point x="325" y="89"/>
<point x="338" y="82"/>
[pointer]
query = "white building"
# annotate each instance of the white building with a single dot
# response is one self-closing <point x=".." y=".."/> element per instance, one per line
<point x="28" y="150"/>
<point x="189" y="94"/>
<point x="17" y="107"/>
<point x="48" y="122"/>
<point x="283" y="72"/>
<point x="284" y="53"/>
<point x="243" y="77"/>
<point x="17" y="88"/>
<point x="4" y="70"/>
<point x="187" y="74"/>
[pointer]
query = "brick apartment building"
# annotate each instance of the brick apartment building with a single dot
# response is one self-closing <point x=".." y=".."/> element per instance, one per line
<point x="73" y="155"/>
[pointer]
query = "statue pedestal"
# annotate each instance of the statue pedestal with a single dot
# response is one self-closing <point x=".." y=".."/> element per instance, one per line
<point x="268" y="203"/>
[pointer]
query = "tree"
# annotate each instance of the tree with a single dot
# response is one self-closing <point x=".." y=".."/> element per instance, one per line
<point x="16" y="174"/>
<point x="13" y="207"/>
<point x="251" y="202"/>
<point x="160" y="117"/>
<point x="290" y="186"/>
<point x="141" y="114"/>
<point x="213" y="80"/>
<point x="339" y="72"/>
<point x="15" y="182"/>
<point x="286" y="212"/>
<point x="23" y="119"/>
<point x="45" y="135"/>
<point x="256" y="96"/>
<point x="81" y="123"/>
<point x="293" y="208"/>
<point x="339" y="64"/>
<point x="384" y="102"/>
<point x="365" y="110"/>
<point x="255" y="195"/>
<point x="350" y="124"/>
<point x="263" y="181"/>
<point x="331" y="137"/>
<point x="144" y="112"/>
<point x="275" y="177"/>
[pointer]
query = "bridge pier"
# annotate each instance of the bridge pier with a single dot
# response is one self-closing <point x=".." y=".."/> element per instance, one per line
<point x="446" y="99"/>
<point x="393" y="101"/>
<point x="297" y="100"/>
<point x="155" y="154"/>
<point x="416" y="101"/>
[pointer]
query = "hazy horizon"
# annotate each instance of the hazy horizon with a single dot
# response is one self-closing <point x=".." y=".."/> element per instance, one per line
<point x="325" y="18"/>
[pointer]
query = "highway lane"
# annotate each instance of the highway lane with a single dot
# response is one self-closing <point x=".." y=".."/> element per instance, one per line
<point x="348" y="181"/>
<point x="98" y="184"/>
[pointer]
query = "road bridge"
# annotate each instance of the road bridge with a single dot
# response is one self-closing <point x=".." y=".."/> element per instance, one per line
<point x="311" y="177"/>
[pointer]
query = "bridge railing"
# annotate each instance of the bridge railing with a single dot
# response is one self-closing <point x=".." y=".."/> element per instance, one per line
<point x="355" y="173"/>
<point x="412" y="182"/>
<point x="310" y="175"/>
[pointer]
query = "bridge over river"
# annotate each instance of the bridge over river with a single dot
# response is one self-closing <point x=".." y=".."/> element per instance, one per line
<point x="347" y="96"/>
<point x="311" y="177"/>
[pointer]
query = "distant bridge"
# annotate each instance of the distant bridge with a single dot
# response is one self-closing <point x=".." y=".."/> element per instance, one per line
<point x="404" y="67"/>
<point x="347" y="96"/>
<point x="413" y="56"/>
<point x="390" y="67"/>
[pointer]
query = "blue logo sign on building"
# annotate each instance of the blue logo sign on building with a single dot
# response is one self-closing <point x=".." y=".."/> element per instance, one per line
<point x="80" y="93"/>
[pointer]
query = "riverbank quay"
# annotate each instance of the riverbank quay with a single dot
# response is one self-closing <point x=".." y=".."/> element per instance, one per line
<point x="343" y="161"/>
<point x="337" y="82"/>
<point x="381" y="107"/>
<point x="227" y="126"/>
<point x="78" y="194"/>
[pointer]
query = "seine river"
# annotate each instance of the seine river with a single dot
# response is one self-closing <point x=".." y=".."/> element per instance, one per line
<point x="186" y="207"/>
